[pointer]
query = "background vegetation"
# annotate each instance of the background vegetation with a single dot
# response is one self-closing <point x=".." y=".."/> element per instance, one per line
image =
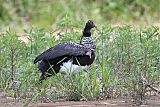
<point x="49" y="13"/>
<point x="125" y="54"/>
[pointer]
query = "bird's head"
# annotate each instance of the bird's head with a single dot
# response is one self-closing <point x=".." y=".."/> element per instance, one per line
<point x="90" y="24"/>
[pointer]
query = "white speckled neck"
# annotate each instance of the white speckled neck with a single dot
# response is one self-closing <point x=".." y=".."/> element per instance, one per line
<point x="88" y="42"/>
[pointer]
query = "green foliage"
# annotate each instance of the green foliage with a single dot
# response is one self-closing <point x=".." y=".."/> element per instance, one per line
<point x="51" y="12"/>
<point x="124" y="55"/>
<point x="129" y="9"/>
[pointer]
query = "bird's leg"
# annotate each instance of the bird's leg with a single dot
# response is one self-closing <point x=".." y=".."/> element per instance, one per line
<point x="88" y="68"/>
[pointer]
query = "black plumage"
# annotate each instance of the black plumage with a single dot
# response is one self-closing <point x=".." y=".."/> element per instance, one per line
<point x="67" y="53"/>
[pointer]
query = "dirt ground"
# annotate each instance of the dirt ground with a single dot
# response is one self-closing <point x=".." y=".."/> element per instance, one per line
<point x="154" y="101"/>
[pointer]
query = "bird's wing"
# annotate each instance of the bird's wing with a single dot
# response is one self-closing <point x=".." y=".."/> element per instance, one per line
<point x="67" y="48"/>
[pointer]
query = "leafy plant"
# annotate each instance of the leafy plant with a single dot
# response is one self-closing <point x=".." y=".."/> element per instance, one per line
<point x="124" y="55"/>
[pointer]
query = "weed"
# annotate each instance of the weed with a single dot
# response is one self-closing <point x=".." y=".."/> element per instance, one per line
<point x="124" y="55"/>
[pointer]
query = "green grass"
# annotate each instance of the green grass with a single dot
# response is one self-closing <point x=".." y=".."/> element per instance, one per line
<point x="124" y="54"/>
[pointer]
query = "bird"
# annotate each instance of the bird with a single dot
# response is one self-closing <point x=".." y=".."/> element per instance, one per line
<point x="68" y="56"/>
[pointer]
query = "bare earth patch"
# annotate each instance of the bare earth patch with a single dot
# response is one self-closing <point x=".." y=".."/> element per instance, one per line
<point x="154" y="101"/>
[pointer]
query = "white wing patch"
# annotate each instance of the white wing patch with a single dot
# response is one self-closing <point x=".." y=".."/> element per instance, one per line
<point x="68" y="67"/>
